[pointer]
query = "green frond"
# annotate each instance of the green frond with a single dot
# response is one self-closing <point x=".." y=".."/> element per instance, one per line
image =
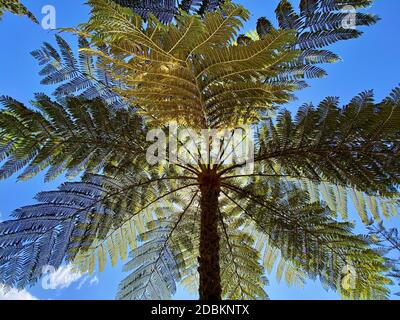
<point x="134" y="73"/>
<point x="242" y="275"/>
<point x="15" y="7"/>
<point x="174" y="72"/>
<point x="337" y="145"/>
<point x="309" y="239"/>
<point x="318" y="24"/>
<point x="81" y="135"/>
<point x="337" y="197"/>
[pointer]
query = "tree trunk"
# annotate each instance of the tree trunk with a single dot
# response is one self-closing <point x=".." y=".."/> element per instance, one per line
<point x="209" y="268"/>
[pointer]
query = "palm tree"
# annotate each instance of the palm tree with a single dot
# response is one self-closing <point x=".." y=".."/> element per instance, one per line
<point x="181" y="218"/>
<point x="15" y="7"/>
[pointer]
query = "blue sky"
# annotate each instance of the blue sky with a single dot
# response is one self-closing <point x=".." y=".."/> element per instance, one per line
<point x="371" y="62"/>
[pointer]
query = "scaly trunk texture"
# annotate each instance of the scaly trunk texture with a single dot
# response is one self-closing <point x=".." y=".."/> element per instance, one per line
<point x="209" y="268"/>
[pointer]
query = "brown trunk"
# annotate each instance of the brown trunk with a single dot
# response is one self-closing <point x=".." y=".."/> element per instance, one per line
<point x="209" y="268"/>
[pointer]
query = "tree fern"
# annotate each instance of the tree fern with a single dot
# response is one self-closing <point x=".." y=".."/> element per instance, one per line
<point x="187" y="61"/>
<point x="104" y="209"/>
<point x="197" y="224"/>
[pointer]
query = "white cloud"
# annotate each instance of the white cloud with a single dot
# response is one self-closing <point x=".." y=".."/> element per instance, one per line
<point x="82" y="282"/>
<point x="94" y="281"/>
<point x="61" y="278"/>
<point x="13" y="294"/>
<point x="7" y="293"/>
